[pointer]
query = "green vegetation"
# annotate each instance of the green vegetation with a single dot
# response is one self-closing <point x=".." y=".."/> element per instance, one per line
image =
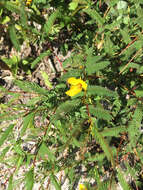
<point x="100" y="127"/>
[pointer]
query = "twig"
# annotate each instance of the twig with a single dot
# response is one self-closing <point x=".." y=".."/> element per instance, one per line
<point x="130" y="61"/>
<point x="128" y="45"/>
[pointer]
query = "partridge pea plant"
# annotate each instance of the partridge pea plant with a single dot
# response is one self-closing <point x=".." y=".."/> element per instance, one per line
<point x="85" y="129"/>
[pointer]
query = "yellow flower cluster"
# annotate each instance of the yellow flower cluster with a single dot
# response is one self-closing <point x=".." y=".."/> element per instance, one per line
<point x="76" y="86"/>
<point x="28" y="2"/>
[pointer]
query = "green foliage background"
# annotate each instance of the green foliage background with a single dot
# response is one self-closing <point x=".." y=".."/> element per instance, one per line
<point x="97" y="129"/>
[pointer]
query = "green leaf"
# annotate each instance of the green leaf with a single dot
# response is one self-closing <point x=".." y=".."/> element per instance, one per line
<point x="3" y="153"/>
<point x="50" y="22"/>
<point x="108" y="45"/>
<point x="44" y="150"/>
<point x="134" y="126"/>
<point x="71" y="73"/>
<point x="141" y="70"/>
<point x="100" y="113"/>
<point x="122" y="5"/>
<point x="31" y="87"/>
<point x="122" y="181"/>
<point x="139" y="92"/>
<point x="112" y="3"/>
<point x="14" y="37"/>
<point x="94" y="15"/>
<point x="6" y="134"/>
<point x="46" y="79"/>
<point x="113" y="131"/>
<point x="17" y="148"/>
<point x="28" y="121"/>
<point x="19" y="163"/>
<point x="73" y="5"/>
<point x="93" y="65"/>
<point x="23" y="16"/>
<point x="97" y="176"/>
<point x="98" y="157"/>
<point x="125" y="34"/>
<point x="55" y="182"/>
<point x="100" y="91"/>
<point x="10" y="116"/>
<point x="12" y="63"/>
<point x="130" y="65"/>
<point x="33" y="101"/>
<point x="10" y="184"/>
<point x="65" y="108"/>
<point x="29" y="179"/>
<point x="11" y="6"/>
<point x="103" y="143"/>
<point x="5" y="20"/>
<point x="38" y="59"/>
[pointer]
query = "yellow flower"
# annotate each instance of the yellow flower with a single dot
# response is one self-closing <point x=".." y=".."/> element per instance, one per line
<point x="76" y="86"/>
<point x="82" y="187"/>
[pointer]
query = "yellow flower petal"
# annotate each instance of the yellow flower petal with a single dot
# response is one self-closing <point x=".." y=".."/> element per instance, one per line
<point x="82" y="187"/>
<point x="84" y="85"/>
<point x="74" y="90"/>
<point x="72" y="81"/>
